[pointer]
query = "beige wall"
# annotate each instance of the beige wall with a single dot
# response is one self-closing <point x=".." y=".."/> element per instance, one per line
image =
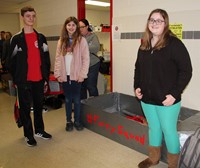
<point x="132" y="18"/>
<point x="9" y="22"/>
<point x="52" y="13"/>
<point x="100" y="17"/>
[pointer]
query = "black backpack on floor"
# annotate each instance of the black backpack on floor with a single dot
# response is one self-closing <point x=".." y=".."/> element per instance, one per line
<point x="190" y="153"/>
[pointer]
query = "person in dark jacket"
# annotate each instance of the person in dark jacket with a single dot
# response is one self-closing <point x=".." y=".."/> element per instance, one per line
<point x="2" y="39"/>
<point x="30" y="69"/>
<point x="162" y="71"/>
<point x="6" y="50"/>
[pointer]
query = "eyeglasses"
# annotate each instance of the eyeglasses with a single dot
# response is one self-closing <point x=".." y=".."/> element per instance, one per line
<point x="81" y="27"/>
<point x="157" y="22"/>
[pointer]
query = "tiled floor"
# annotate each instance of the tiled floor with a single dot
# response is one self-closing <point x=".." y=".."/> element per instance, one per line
<point x="84" y="149"/>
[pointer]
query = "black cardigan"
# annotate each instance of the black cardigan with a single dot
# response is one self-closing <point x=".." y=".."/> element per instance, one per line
<point x="162" y="72"/>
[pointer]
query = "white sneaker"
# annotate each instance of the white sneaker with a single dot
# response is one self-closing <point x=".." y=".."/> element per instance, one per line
<point x="32" y="110"/>
<point x="44" y="110"/>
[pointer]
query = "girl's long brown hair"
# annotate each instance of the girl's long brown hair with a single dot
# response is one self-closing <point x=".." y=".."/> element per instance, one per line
<point x="64" y="37"/>
<point x="163" y="40"/>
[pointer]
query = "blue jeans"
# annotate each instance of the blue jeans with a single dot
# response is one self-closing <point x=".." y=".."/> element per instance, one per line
<point x="72" y="90"/>
<point x="90" y="84"/>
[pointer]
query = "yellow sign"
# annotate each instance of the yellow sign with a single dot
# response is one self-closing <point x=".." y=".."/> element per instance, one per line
<point x="177" y="29"/>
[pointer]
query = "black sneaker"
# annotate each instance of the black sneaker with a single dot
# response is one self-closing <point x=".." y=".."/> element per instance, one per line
<point x="43" y="135"/>
<point x="78" y="126"/>
<point x="69" y="126"/>
<point x="30" y="141"/>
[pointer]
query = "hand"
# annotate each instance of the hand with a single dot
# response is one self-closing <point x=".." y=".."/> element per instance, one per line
<point x="45" y="87"/>
<point x="169" y="100"/>
<point x="138" y="93"/>
<point x="59" y="79"/>
<point x="80" y="79"/>
<point x="45" y="83"/>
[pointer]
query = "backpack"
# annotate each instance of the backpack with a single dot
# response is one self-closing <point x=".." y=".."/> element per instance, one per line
<point x="190" y="153"/>
<point x="104" y="67"/>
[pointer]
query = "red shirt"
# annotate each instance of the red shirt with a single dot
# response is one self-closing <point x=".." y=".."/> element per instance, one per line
<point x="34" y="61"/>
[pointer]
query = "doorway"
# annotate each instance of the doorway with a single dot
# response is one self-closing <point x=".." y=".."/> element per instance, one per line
<point x="101" y="20"/>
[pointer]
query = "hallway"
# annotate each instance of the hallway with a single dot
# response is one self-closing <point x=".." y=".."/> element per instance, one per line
<point x="75" y="149"/>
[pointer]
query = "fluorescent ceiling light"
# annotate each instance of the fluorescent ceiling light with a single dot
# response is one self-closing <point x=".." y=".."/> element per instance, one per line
<point x="97" y="3"/>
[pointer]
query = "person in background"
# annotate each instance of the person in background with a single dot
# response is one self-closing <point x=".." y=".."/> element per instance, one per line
<point x="30" y="69"/>
<point x="90" y="84"/>
<point x="6" y="50"/>
<point x="71" y="68"/>
<point x="1" y="42"/>
<point x="162" y="71"/>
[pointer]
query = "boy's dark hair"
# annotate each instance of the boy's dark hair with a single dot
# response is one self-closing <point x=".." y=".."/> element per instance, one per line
<point x="26" y="9"/>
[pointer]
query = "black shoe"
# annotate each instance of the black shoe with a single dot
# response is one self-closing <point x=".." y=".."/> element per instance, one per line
<point x="43" y="135"/>
<point x="78" y="126"/>
<point x="30" y="141"/>
<point x="69" y="126"/>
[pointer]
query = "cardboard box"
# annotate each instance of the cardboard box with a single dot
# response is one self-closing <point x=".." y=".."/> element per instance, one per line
<point x="7" y="84"/>
<point x="8" y="87"/>
<point x="110" y="115"/>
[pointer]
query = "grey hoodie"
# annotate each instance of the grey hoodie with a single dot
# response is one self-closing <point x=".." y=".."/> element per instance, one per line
<point x="94" y="46"/>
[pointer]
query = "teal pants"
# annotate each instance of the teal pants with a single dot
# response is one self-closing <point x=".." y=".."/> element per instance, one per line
<point x="162" y="120"/>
